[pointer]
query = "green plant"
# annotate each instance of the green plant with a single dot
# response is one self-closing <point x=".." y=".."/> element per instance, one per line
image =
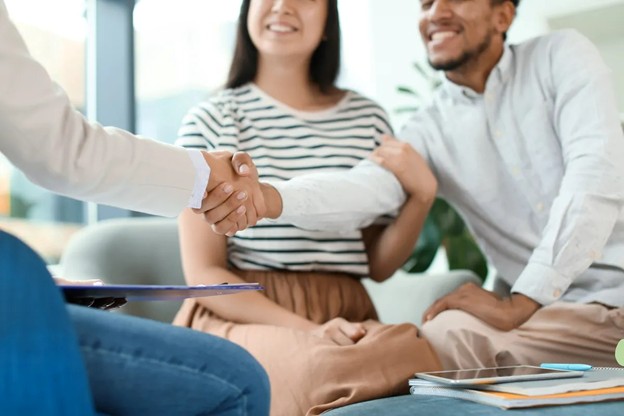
<point x="443" y="227"/>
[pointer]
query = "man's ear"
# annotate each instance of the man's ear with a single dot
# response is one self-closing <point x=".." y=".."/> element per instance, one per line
<point x="504" y="14"/>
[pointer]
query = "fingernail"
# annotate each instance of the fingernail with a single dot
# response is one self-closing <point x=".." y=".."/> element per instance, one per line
<point x="244" y="169"/>
<point x="228" y="189"/>
<point x="241" y="209"/>
<point x="241" y="196"/>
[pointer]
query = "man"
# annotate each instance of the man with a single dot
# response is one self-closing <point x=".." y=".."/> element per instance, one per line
<point x="525" y="142"/>
<point x="42" y="135"/>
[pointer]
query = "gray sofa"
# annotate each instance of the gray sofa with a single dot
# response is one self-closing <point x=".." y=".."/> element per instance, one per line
<point x="145" y="251"/>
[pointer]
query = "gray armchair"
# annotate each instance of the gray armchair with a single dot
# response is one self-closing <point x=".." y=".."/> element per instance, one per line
<point x="128" y="251"/>
<point x="145" y="251"/>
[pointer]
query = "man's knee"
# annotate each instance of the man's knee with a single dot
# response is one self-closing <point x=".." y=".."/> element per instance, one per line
<point x="447" y="324"/>
<point x="458" y="338"/>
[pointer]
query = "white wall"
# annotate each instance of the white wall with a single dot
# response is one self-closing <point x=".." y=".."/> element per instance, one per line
<point x="381" y="41"/>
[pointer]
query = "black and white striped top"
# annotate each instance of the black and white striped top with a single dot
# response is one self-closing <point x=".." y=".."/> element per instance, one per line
<point x="285" y="143"/>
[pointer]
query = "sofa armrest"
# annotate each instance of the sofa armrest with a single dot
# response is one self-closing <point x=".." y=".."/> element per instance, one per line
<point x="128" y="251"/>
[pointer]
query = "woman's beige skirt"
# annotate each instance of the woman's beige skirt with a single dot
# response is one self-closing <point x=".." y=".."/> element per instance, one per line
<point x="309" y="374"/>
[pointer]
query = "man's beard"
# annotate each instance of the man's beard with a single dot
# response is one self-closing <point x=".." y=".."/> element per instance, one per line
<point x="465" y="57"/>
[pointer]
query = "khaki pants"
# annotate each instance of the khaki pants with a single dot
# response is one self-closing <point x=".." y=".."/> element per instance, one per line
<point x="308" y="374"/>
<point x="561" y="332"/>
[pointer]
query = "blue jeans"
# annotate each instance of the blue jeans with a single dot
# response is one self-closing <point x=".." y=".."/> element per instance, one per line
<point x="135" y="366"/>
<point x="141" y="367"/>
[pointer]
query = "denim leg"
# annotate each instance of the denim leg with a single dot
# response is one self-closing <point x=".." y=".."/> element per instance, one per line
<point x="142" y="367"/>
<point x="41" y="369"/>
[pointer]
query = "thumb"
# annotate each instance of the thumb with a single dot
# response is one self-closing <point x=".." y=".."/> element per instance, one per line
<point x="353" y="331"/>
<point x="241" y="162"/>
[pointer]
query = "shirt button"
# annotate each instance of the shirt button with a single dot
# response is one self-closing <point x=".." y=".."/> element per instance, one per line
<point x="557" y="293"/>
<point x="539" y="207"/>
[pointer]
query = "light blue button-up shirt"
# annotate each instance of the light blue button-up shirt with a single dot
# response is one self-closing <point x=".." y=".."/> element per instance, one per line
<point x="535" y="165"/>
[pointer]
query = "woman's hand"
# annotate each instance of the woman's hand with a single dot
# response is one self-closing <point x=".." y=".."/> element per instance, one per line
<point x="408" y="166"/>
<point x="340" y="331"/>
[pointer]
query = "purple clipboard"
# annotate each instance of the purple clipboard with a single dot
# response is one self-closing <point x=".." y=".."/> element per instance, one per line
<point x="155" y="292"/>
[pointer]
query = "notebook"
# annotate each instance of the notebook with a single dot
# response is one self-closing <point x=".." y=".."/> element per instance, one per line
<point x="596" y="378"/>
<point x="599" y="384"/>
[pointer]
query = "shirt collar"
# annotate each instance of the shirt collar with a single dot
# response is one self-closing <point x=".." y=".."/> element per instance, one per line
<point x="499" y="75"/>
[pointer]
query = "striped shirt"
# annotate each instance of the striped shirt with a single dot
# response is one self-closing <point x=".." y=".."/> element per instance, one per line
<point x="286" y="143"/>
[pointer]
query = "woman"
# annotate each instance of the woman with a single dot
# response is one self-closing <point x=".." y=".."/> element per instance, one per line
<point x="314" y="327"/>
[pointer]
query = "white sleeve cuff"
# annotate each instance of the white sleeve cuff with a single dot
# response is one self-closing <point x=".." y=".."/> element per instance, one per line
<point x="202" y="176"/>
<point x="541" y="283"/>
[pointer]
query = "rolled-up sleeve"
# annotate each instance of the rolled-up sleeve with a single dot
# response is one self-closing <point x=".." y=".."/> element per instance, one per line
<point x="341" y="201"/>
<point x="591" y="196"/>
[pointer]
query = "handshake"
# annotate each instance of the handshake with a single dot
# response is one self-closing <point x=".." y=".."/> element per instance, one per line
<point x="235" y="198"/>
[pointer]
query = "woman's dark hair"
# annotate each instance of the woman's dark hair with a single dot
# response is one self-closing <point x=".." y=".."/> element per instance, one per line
<point x="324" y="65"/>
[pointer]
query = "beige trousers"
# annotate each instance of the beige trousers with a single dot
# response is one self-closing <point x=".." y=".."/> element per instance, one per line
<point x="309" y="374"/>
<point x="561" y="332"/>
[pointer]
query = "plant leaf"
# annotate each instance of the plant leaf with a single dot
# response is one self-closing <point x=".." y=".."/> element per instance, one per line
<point x="407" y="90"/>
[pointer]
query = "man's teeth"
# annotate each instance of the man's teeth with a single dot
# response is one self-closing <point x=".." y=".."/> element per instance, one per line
<point x="437" y="36"/>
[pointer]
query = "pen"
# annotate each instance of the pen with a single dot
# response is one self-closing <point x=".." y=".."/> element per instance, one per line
<point x="566" y="366"/>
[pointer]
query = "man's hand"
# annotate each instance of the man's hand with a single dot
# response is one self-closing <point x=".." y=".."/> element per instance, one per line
<point x="234" y="200"/>
<point x="502" y="313"/>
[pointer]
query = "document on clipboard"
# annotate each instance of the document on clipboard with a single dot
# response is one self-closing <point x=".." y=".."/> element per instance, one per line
<point x="154" y="292"/>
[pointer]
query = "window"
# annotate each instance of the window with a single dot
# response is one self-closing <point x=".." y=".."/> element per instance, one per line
<point x="183" y="50"/>
<point x="55" y="33"/>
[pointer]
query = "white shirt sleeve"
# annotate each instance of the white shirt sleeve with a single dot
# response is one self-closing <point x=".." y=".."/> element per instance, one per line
<point x="202" y="176"/>
<point x="591" y="195"/>
<point x="57" y="148"/>
<point x="340" y="201"/>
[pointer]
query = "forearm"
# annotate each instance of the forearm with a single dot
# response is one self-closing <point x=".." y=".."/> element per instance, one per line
<point x="57" y="148"/>
<point x="590" y="196"/>
<point x="341" y="201"/>
<point x="249" y="307"/>
<point x="393" y="246"/>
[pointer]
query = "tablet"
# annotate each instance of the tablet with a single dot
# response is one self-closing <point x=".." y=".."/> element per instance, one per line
<point x="493" y="375"/>
<point x="154" y="292"/>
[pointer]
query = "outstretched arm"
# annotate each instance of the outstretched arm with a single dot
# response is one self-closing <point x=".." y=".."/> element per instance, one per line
<point x="345" y="201"/>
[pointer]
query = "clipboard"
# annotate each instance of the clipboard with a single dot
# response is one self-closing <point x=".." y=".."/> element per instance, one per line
<point x="154" y="292"/>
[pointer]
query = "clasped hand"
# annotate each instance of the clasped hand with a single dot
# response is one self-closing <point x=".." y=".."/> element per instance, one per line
<point x="340" y="331"/>
<point x="234" y="198"/>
